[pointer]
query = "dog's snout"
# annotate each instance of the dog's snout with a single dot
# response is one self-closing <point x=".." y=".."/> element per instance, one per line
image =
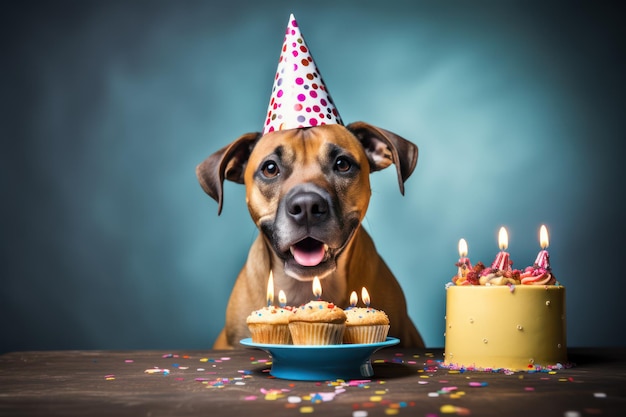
<point x="307" y="208"/>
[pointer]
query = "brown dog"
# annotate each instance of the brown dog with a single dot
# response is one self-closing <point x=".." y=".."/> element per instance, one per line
<point x="307" y="191"/>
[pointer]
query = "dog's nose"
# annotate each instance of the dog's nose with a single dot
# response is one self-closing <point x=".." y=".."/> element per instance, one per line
<point x="307" y="208"/>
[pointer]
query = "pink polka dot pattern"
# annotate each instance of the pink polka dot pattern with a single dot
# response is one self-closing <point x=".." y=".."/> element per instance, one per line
<point x="299" y="96"/>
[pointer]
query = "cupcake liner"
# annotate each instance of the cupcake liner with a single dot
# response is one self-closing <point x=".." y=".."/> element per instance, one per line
<point x="366" y="333"/>
<point x="303" y="333"/>
<point x="276" y="334"/>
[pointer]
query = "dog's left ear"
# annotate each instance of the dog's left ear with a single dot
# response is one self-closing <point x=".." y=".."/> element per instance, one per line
<point x="227" y="163"/>
<point x="384" y="148"/>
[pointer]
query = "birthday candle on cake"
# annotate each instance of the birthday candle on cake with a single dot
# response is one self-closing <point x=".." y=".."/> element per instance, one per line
<point x="317" y="288"/>
<point x="502" y="261"/>
<point x="543" y="258"/>
<point x="464" y="262"/>
<point x="270" y="289"/>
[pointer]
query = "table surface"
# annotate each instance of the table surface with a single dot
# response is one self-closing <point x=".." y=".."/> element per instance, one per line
<point x="199" y="383"/>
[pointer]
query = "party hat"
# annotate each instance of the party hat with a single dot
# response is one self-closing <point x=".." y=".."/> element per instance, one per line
<point x="299" y="96"/>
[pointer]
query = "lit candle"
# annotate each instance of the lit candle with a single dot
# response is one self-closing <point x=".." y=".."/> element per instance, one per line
<point x="365" y="296"/>
<point x="282" y="298"/>
<point x="353" y="299"/>
<point x="464" y="262"/>
<point x="502" y="259"/>
<point x="317" y="288"/>
<point x="543" y="258"/>
<point x="270" y="289"/>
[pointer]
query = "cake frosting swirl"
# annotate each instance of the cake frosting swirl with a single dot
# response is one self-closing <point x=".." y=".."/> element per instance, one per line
<point x="533" y="275"/>
<point x="492" y="276"/>
<point x="481" y="275"/>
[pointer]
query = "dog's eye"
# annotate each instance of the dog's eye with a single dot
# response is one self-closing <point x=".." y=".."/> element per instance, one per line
<point x="343" y="164"/>
<point x="270" y="169"/>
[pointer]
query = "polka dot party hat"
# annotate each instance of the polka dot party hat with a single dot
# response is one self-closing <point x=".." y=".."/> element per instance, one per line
<point x="299" y="96"/>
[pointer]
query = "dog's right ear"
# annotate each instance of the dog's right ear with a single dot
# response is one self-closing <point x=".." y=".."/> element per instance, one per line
<point x="227" y="163"/>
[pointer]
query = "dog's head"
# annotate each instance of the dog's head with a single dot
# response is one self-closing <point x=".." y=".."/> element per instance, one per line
<point x="308" y="189"/>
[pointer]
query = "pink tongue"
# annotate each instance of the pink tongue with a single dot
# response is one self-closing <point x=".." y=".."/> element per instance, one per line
<point x="310" y="257"/>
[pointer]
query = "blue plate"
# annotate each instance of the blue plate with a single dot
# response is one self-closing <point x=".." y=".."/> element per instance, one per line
<point x="321" y="363"/>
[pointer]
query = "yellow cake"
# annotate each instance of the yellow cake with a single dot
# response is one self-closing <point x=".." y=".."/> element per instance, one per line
<point x="317" y="323"/>
<point x="270" y="325"/>
<point x="365" y="325"/>
<point x="511" y="327"/>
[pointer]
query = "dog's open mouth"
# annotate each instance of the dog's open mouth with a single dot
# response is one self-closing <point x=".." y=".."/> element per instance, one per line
<point x="309" y="252"/>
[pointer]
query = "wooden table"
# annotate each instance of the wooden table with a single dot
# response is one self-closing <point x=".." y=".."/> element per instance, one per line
<point x="235" y="383"/>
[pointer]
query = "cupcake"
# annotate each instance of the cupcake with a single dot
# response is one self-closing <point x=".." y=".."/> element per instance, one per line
<point x="317" y="323"/>
<point x="365" y="325"/>
<point x="270" y="325"/>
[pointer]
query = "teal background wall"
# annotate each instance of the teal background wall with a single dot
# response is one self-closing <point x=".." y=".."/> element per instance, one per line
<point x="108" y="241"/>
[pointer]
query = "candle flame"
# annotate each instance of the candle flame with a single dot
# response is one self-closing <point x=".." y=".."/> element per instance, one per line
<point x="543" y="237"/>
<point x="462" y="248"/>
<point x="503" y="239"/>
<point x="270" y="289"/>
<point x="353" y="299"/>
<point x="317" y="287"/>
<point x="365" y="296"/>
<point x="282" y="298"/>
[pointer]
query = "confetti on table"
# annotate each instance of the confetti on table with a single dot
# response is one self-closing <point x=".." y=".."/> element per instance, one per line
<point x="451" y="409"/>
<point x="273" y="394"/>
<point x="157" y="371"/>
<point x="359" y="382"/>
<point x="599" y="394"/>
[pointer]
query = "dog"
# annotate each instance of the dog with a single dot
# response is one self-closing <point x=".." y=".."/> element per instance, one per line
<point x="307" y="191"/>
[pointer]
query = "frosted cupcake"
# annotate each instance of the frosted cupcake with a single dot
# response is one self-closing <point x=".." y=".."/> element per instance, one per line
<point x="365" y="325"/>
<point x="270" y="325"/>
<point x="317" y="323"/>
